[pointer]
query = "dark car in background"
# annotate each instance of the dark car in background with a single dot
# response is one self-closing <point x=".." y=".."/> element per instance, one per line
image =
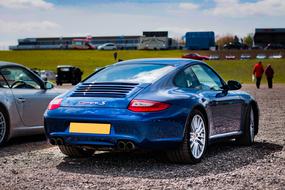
<point x="274" y="46"/>
<point x="68" y="74"/>
<point x="195" y="56"/>
<point x="235" y="46"/>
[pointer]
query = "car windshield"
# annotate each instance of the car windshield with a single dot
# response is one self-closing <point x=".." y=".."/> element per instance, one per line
<point x="134" y="73"/>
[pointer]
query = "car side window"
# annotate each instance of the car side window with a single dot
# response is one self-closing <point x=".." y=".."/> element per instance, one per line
<point x="3" y="83"/>
<point x="186" y="79"/>
<point x="18" y="77"/>
<point x="207" y="78"/>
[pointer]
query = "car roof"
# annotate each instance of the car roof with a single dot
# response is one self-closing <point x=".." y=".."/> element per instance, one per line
<point x="6" y="63"/>
<point x="176" y="62"/>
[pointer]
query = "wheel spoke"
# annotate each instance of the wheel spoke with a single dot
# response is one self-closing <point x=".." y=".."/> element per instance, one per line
<point x="201" y="134"/>
<point x="201" y="128"/>
<point x="191" y="136"/>
<point x="195" y="148"/>
<point x="196" y="123"/>
<point x="191" y="145"/>
<point x="200" y="142"/>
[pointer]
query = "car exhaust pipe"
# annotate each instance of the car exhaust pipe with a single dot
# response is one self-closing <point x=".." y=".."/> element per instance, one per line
<point x="59" y="141"/>
<point x="130" y="146"/>
<point x="121" y="145"/>
<point x="52" y="141"/>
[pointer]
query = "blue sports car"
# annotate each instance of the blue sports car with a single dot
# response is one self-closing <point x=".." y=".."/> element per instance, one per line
<point x="179" y="106"/>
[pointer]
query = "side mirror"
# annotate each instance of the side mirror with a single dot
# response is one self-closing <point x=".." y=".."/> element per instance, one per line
<point x="234" y="85"/>
<point x="48" y="85"/>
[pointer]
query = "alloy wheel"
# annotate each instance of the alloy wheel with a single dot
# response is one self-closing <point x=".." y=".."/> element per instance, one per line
<point x="197" y="136"/>
<point x="2" y="127"/>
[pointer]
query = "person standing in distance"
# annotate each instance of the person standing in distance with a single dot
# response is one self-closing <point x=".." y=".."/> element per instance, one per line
<point x="258" y="72"/>
<point x="115" y="55"/>
<point x="269" y="72"/>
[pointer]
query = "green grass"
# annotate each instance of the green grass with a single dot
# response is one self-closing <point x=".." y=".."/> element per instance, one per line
<point x="88" y="60"/>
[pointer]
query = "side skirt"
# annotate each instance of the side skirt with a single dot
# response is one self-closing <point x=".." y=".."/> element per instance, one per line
<point x="223" y="136"/>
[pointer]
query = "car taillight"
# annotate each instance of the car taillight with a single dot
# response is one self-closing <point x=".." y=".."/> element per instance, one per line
<point x="147" y="106"/>
<point x="54" y="104"/>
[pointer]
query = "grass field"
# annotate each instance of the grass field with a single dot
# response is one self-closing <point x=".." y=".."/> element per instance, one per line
<point x="88" y="60"/>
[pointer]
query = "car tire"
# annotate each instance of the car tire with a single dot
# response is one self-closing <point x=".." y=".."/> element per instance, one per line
<point x="247" y="137"/>
<point x="75" y="152"/>
<point x="4" y="127"/>
<point x="194" y="143"/>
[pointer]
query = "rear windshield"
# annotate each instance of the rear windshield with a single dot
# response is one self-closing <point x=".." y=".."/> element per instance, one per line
<point x="134" y="73"/>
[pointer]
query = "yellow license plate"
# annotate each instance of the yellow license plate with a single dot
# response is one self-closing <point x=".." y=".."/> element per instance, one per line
<point x="93" y="128"/>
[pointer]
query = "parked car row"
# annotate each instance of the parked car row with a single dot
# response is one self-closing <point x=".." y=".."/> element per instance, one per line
<point x="245" y="56"/>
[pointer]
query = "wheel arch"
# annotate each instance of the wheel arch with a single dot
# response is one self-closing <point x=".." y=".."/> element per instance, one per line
<point x="202" y="109"/>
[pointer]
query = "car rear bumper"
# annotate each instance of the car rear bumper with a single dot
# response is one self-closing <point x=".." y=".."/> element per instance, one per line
<point x="145" y="130"/>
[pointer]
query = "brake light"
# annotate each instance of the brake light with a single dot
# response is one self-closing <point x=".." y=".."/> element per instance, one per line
<point x="147" y="106"/>
<point x="54" y="104"/>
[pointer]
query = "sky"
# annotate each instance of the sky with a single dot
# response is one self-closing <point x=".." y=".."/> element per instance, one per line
<point x="55" y="18"/>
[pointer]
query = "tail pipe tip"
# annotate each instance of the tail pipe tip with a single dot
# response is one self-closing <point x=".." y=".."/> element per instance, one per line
<point x="130" y="146"/>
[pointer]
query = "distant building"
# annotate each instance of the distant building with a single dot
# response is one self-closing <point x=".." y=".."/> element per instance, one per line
<point x="265" y="36"/>
<point x="157" y="40"/>
<point x="122" y="42"/>
<point x="199" y="40"/>
<point x="149" y="40"/>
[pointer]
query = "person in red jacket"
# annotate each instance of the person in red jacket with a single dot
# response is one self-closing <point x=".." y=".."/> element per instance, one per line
<point x="269" y="72"/>
<point x="258" y="72"/>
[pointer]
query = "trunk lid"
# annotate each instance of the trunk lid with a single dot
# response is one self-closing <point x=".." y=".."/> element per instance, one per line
<point x="104" y="95"/>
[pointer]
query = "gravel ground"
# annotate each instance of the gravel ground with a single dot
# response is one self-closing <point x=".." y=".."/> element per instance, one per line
<point x="30" y="163"/>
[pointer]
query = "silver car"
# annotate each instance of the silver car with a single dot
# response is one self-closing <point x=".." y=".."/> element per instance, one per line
<point x="23" y="99"/>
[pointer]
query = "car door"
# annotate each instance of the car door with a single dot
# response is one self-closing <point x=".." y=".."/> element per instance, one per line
<point x="110" y="47"/>
<point x="30" y="96"/>
<point x="225" y="106"/>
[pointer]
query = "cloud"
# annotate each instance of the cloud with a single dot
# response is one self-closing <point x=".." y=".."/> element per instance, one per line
<point x="20" y="4"/>
<point x="189" y="6"/>
<point x="235" y="8"/>
<point x="9" y="27"/>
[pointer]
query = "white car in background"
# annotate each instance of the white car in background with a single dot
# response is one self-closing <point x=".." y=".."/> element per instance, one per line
<point x="275" y="56"/>
<point x="214" y="57"/>
<point x="107" y="46"/>
<point x="47" y="75"/>
<point x="261" y="56"/>
<point x="230" y="57"/>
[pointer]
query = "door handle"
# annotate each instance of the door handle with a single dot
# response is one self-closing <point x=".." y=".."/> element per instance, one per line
<point x="21" y="100"/>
